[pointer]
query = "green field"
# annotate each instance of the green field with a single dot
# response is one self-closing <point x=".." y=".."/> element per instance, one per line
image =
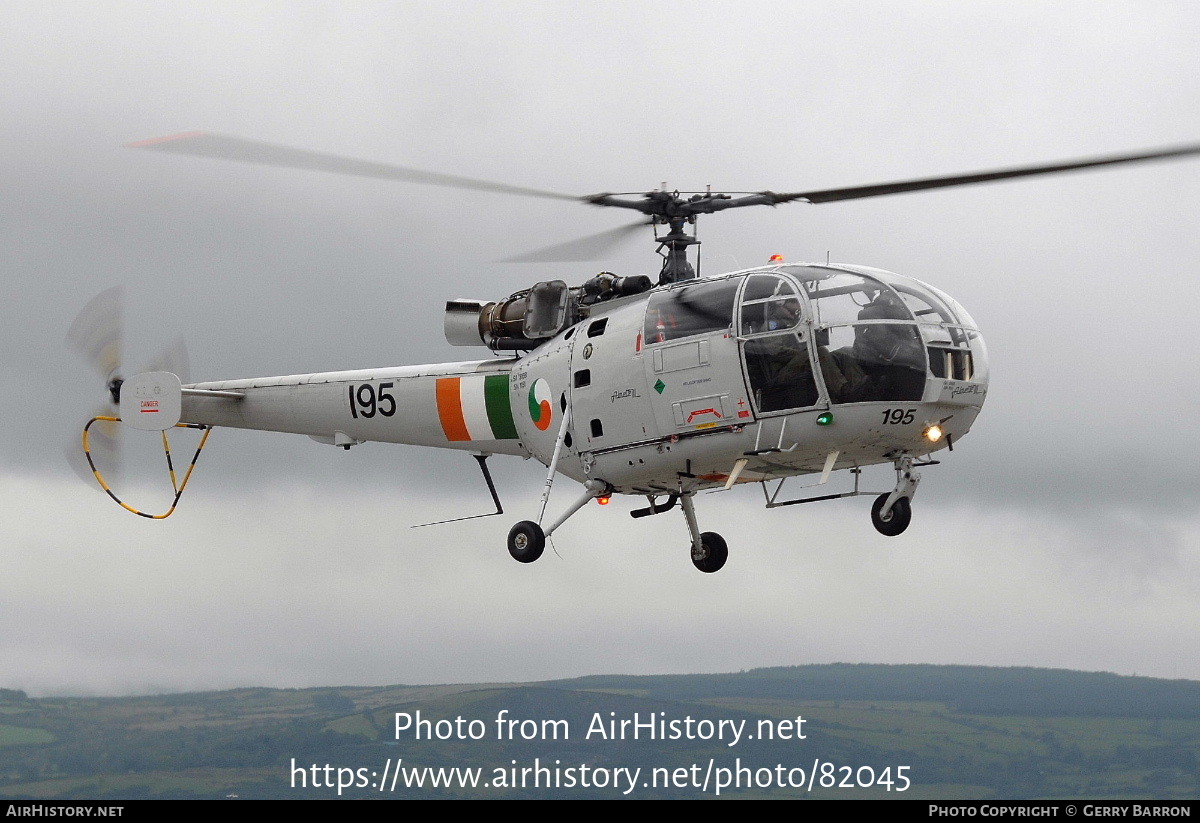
<point x="22" y="735"/>
<point x="959" y="732"/>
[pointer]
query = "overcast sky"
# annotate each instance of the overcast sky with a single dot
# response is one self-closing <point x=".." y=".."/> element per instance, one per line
<point x="1061" y="532"/>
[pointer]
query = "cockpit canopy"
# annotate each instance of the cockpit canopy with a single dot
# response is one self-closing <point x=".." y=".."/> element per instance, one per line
<point x="872" y="335"/>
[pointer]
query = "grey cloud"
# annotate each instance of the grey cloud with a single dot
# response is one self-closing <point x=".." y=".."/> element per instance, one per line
<point x="296" y="560"/>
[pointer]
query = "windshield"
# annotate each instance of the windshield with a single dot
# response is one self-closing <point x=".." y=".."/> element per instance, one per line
<point x="866" y="336"/>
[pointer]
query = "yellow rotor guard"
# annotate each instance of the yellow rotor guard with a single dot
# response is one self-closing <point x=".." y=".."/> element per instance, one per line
<point x="178" y="487"/>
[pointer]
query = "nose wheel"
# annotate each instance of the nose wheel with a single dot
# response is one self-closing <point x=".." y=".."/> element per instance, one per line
<point x="896" y="520"/>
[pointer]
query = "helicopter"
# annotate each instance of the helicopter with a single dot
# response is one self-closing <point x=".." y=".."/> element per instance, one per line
<point x="661" y="389"/>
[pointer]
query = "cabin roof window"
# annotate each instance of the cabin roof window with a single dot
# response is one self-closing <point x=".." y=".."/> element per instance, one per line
<point x="846" y="297"/>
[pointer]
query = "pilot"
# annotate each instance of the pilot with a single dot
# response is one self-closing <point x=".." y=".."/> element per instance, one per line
<point x="890" y="354"/>
<point x="784" y="314"/>
<point x="785" y="378"/>
<point x="791" y="383"/>
<point x="844" y="379"/>
<point x="884" y="306"/>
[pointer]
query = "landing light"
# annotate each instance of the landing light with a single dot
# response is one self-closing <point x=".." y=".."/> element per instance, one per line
<point x="933" y="434"/>
<point x="824" y="418"/>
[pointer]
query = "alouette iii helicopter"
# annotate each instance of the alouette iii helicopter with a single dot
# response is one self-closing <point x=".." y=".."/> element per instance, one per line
<point x="660" y="389"/>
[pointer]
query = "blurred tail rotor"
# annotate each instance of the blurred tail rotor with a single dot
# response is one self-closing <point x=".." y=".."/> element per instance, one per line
<point x="173" y="358"/>
<point x="97" y="335"/>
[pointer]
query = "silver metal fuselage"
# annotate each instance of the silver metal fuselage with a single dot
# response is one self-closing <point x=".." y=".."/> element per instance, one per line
<point x="780" y="366"/>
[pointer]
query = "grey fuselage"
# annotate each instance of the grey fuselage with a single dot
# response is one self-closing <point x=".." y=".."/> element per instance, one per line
<point x="781" y="366"/>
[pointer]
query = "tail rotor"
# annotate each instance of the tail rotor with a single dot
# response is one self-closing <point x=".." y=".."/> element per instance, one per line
<point x="97" y="336"/>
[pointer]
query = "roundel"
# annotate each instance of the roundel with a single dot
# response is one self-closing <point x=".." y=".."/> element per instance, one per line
<point x="540" y="409"/>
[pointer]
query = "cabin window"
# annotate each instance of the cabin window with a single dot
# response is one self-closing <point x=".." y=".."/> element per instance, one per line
<point x="844" y="297"/>
<point x="770" y="303"/>
<point x="697" y="309"/>
<point x="597" y="328"/>
<point x="597" y="428"/>
<point x="924" y="304"/>
<point x="868" y="344"/>
<point x="954" y="364"/>
<point x="583" y="378"/>
<point x="872" y="362"/>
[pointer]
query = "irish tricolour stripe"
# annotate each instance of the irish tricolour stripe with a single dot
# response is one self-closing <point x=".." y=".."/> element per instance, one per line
<point x="475" y="408"/>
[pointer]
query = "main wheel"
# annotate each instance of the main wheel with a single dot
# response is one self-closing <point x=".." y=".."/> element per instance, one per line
<point x="712" y="554"/>
<point x="898" y="518"/>
<point x="526" y="540"/>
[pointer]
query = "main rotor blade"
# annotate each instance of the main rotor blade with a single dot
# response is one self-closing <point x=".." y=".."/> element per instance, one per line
<point x="878" y="190"/>
<point x="581" y="249"/>
<point x="223" y="147"/>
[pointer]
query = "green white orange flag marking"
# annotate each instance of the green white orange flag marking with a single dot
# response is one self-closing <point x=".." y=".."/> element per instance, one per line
<point x="475" y="408"/>
<point x="540" y="410"/>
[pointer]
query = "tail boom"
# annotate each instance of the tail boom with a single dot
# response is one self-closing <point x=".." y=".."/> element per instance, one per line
<point x="448" y="405"/>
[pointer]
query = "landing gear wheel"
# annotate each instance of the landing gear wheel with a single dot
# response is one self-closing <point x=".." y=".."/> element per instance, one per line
<point x="896" y="521"/>
<point x="526" y="540"/>
<point x="712" y="554"/>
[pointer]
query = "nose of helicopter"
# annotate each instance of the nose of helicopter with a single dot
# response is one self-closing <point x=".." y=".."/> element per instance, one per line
<point x="954" y="345"/>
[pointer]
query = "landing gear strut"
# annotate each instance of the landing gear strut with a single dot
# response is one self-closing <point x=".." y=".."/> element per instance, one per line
<point x="709" y="551"/>
<point x="892" y="512"/>
<point x="527" y="539"/>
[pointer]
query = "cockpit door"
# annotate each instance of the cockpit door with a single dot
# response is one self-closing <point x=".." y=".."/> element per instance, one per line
<point x="777" y="350"/>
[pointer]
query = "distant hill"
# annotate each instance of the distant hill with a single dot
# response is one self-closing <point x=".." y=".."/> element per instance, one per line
<point x="910" y="731"/>
<point x="1026" y="692"/>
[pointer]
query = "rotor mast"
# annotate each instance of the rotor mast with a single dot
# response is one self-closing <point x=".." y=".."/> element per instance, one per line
<point x="676" y="266"/>
<point x="676" y="212"/>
